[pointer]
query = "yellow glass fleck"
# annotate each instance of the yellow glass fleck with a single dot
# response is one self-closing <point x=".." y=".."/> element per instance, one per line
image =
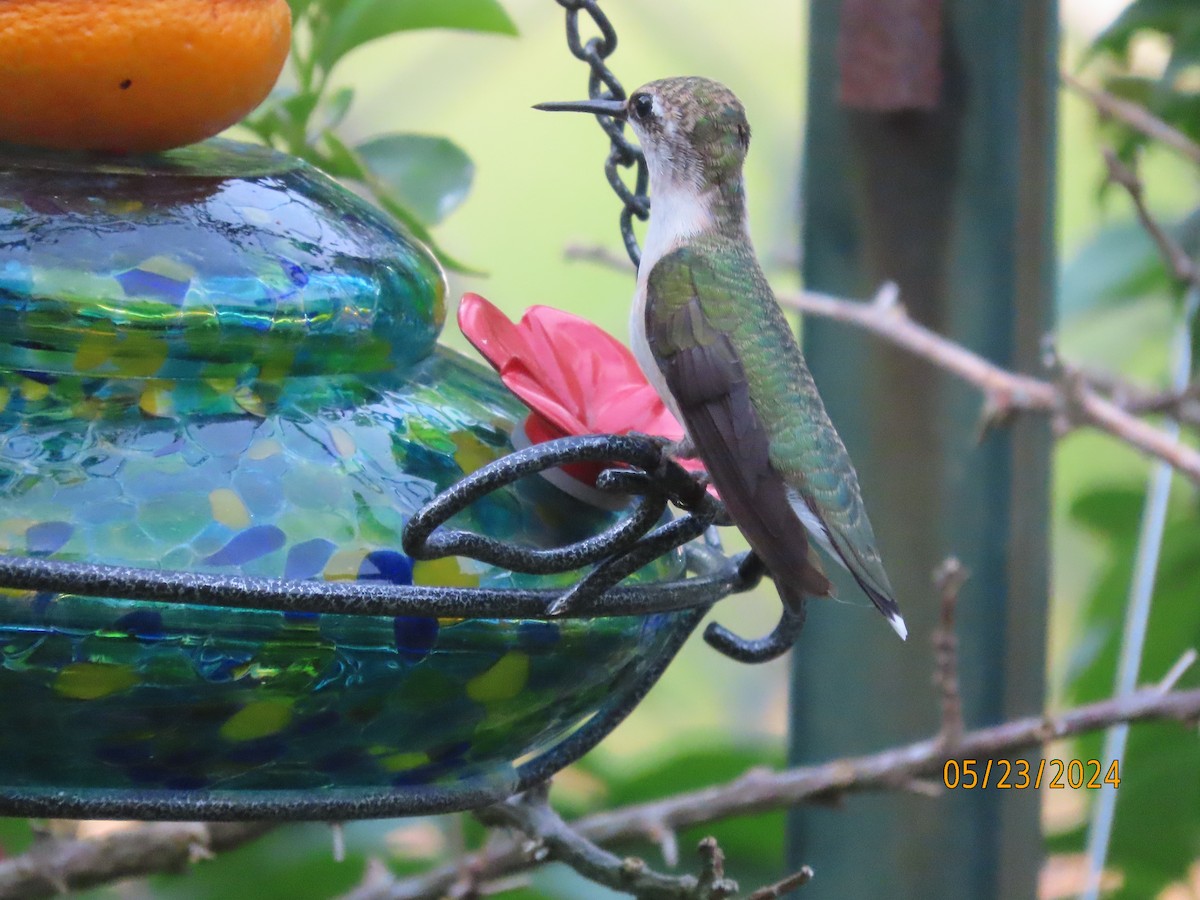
<point x="447" y="571"/>
<point x="168" y="268"/>
<point x="400" y="762"/>
<point x="94" y="351"/>
<point x="503" y="681"/>
<point x="472" y="453"/>
<point x="228" y="508"/>
<point x="12" y="534"/>
<point x="344" y="565"/>
<point x="265" y="448"/>
<point x="342" y="442"/>
<point x="139" y="355"/>
<point x="257" y="720"/>
<point x="157" y="399"/>
<point x="250" y="402"/>
<point x="91" y="680"/>
<point x="34" y="390"/>
<point x="277" y="367"/>
<point x="222" y="385"/>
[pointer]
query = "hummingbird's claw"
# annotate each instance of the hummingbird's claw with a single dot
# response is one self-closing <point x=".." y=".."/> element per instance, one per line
<point x="662" y="443"/>
<point x="683" y="448"/>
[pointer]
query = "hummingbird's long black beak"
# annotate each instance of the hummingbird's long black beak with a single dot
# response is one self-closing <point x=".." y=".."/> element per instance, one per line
<point x="614" y="108"/>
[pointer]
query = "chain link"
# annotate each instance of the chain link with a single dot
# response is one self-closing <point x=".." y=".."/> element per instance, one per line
<point x="603" y="85"/>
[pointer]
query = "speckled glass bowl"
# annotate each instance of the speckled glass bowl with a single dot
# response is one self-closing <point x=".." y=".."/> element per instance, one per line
<point x="218" y="360"/>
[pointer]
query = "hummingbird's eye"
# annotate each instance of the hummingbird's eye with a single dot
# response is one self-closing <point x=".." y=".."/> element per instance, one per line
<point x="642" y="106"/>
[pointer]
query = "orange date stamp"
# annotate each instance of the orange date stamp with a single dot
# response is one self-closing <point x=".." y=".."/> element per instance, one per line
<point x="1022" y="774"/>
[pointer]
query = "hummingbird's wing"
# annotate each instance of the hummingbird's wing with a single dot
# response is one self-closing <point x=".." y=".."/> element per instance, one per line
<point x="707" y="380"/>
<point x="710" y="313"/>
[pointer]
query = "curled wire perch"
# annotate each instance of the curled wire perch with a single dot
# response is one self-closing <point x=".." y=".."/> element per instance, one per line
<point x="619" y="551"/>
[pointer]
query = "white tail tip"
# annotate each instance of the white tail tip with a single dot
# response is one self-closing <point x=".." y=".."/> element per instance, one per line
<point x="898" y="626"/>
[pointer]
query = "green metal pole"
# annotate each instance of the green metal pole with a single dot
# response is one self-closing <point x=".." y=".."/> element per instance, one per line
<point x="951" y="195"/>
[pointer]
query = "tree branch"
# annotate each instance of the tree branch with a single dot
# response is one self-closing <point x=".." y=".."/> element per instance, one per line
<point x="551" y="839"/>
<point x="1176" y="258"/>
<point x="1136" y="117"/>
<point x="1073" y="400"/>
<point x="948" y="578"/>
<point x="1133" y="398"/>
<point x="55" y="866"/>
<point x="761" y="791"/>
<point x="774" y="891"/>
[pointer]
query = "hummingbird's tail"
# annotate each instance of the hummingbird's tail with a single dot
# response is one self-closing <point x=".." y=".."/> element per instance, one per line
<point x="885" y="603"/>
<point x="860" y="559"/>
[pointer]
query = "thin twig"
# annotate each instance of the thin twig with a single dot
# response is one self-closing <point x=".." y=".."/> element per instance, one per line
<point x="949" y="578"/>
<point x="1183" y="405"/>
<point x="55" y="866"/>
<point x="597" y="253"/>
<point x="1177" y="259"/>
<point x="774" y="891"/>
<point x="713" y="883"/>
<point x="1137" y="117"/>
<point x="1186" y="660"/>
<point x="550" y="838"/>
<point x="668" y="843"/>
<point x="1005" y="391"/>
<point x="761" y="791"/>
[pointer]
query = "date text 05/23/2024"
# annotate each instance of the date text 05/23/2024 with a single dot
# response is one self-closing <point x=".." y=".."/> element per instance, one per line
<point x="1021" y="774"/>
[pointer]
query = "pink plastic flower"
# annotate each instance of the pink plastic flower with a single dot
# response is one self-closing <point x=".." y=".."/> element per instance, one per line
<point x="574" y="376"/>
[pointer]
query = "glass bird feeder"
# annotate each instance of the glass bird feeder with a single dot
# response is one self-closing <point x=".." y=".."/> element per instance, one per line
<point x="221" y="406"/>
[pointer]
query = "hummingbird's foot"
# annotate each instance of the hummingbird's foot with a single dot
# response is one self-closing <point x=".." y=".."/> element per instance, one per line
<point x="656" y="439"/>
<point x="682" y="448"/>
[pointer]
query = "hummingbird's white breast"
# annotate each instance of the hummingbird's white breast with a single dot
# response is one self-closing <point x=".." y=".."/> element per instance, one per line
<point x="679" y="213"/>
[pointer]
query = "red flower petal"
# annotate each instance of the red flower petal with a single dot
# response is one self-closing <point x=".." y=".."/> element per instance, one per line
<point x="574" y="375"/>
<point x="489" y="330"/>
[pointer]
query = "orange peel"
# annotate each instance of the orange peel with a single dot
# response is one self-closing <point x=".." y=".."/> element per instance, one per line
<point x="135" y="76"/>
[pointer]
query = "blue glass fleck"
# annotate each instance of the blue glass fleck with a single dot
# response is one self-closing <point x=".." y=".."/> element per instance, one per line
<point x="415" y="636"/>
<point x="256" y="541"/>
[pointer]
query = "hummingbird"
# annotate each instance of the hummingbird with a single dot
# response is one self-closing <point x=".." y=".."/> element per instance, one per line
<point x="710" y="336"/>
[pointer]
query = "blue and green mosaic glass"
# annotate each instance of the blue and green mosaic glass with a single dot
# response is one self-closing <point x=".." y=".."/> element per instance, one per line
<point x="219" y="360"/>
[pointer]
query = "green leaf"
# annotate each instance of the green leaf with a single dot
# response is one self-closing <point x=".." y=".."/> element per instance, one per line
<point x="300" y="106"/>
<point x="1164" y="16"/>
<point x="299" y="8"/>
<point x="1157" y="829"/>
<point x="365" y="20"/>
<point x="1185" y="49"/>
<point x="1180" y="109"/>
<point x="344" y="159"/>
<point x="339" y="160"/>
<point x="430" y="176"/>
<point x="334" y="109"/>
<point x="1119" y="264"/>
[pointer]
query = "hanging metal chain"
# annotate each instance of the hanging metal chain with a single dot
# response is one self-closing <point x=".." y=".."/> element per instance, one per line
<point x="603" y="85"/>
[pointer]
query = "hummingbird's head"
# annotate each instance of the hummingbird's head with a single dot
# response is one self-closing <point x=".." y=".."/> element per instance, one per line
<point x="693" y="131"/>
